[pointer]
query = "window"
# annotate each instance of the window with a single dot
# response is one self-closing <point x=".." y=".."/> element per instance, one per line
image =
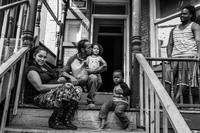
<point x="72" y="32"/>
<point x="109" y="9"/>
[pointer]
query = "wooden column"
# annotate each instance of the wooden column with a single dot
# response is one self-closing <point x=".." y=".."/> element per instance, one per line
<point x="9" y="34"/>
<point x="37" y="23"/>
<point x="135" y="48"/>
<point x="65" y="7"/>
<point x="30" y="24"/>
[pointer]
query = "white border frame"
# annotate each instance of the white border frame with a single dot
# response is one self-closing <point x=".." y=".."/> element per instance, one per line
<point x="126" y="39"/>
<point x="70" y="5"/>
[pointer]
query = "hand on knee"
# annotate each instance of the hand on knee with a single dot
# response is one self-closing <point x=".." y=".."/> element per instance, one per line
<point x="62" y="80"/>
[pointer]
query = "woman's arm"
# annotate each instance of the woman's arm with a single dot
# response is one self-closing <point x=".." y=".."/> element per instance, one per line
<point x="35" y="80"/>
<point x="170" y="44"/>
<point x="196" y="31"/>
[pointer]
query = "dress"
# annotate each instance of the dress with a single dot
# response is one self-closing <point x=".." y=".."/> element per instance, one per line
<point x="184" y="47"/>
<point x="65" y="92"/>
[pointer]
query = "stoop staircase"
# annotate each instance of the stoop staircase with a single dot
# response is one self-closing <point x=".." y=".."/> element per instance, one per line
<point x="31" y="119"/>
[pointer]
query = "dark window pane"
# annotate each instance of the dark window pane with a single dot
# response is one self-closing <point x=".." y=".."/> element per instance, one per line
<point x="109" y="9"/>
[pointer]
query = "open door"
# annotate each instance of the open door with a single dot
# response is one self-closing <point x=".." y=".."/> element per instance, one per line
<point x="110" y="34"/>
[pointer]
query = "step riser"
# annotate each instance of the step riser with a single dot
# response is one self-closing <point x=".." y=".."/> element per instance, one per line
<point x="99" y="98"/>
<point x="84" y="119"/>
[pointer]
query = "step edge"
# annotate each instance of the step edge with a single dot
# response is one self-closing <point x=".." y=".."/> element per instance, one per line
<point x="86" y="130"/>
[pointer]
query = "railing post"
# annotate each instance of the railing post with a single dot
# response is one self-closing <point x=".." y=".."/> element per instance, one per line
<point x="65" y="6"/>
<point x="135" y="48"/>
<point x="9" y="34"/>
<point x="37" y="23"/>
<point x="30" y="24"/>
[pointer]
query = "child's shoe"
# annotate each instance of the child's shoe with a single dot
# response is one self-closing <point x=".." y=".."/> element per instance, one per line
<point x="91" y="105"/>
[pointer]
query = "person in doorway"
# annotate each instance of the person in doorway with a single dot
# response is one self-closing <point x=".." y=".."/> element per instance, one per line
<point x="48" y="93"/>
<point x="119" y="103"/>
<point x="95" y="63"/>
<point x="184" y="42"/>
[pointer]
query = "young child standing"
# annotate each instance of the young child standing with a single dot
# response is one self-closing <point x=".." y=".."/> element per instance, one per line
<point x="119" y="102"/>
<point x="94" y="64"/>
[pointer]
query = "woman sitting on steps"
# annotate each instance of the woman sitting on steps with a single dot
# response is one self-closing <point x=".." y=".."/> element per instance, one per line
<point x="48" y="93"/>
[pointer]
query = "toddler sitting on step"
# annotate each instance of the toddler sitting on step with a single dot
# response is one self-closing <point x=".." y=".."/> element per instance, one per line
<point x="119" y="103"/>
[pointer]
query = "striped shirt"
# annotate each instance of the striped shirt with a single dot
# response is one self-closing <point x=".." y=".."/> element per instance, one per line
<point x="184" y="42"/>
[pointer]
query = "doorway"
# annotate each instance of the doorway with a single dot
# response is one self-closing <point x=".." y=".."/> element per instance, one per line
<point x="110" y="34"/>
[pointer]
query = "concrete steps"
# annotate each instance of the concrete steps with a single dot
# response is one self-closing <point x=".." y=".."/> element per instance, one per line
<point x="17" y="130"/>
<point x="35" y="120"/>
<point x="100" y="98"/>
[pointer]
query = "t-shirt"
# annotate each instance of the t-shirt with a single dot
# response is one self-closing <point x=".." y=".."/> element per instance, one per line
<point x="94" y="62"/>
<point x="124" y="92"/>
<point x="77" y="67"/>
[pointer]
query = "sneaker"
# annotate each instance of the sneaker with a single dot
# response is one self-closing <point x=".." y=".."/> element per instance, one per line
<point x="91" y="105"/>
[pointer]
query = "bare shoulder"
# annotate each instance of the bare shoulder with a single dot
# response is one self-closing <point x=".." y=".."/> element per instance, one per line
<point x="32" y="74"/>
<point x="195" y="26"/>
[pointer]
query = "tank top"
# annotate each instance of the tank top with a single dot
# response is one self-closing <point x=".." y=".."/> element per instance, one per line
<point x="184" y="42"/>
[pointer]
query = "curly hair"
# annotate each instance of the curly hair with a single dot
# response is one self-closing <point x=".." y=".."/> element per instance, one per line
<point x="100" y="48"/>
<point x="191" y="10"/>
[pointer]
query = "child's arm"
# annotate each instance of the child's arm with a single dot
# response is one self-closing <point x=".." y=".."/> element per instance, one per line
<point x="103" y="66"/>
<point x="103" y="62"/>
<point x="126" y="89"/>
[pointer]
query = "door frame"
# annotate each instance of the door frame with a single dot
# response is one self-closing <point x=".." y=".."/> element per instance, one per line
<point x="126" y="51"/>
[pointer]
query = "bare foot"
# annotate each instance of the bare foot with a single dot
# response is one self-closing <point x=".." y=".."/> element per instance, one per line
<point x="103" y="124"/>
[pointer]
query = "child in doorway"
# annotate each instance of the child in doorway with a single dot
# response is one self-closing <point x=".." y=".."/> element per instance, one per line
<point x="119" y="102"/>
<point x="94" y="64"/>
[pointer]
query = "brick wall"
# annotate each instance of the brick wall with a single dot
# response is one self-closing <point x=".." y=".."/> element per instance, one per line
<point x="145" y="27"/>
<point x="51" y="26"/>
